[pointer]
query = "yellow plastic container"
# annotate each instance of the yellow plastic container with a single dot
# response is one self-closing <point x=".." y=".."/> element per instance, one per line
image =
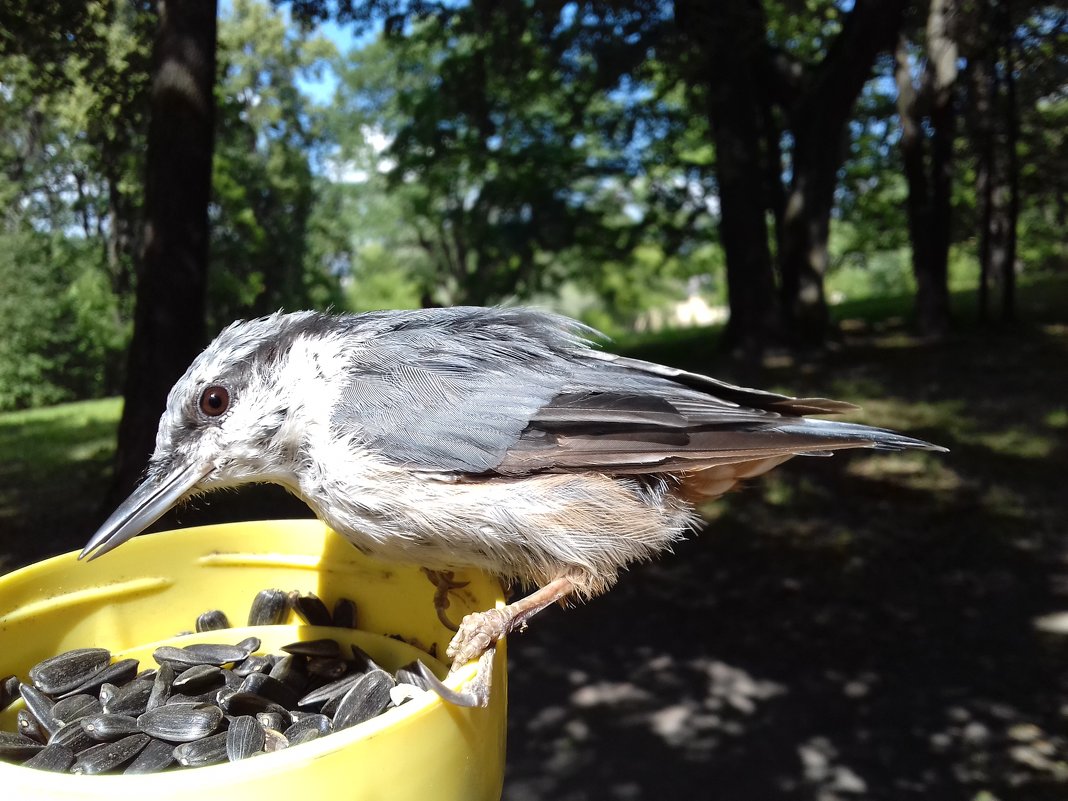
<point x="156" y="585"/>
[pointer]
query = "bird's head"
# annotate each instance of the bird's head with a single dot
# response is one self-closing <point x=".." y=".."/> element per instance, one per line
<point x="232" y="419"/>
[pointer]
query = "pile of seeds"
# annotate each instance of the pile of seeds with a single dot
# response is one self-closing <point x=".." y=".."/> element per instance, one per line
<point x="205" y="703"/>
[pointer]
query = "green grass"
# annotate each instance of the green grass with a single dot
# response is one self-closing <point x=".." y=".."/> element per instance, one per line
<point x="55" y="464"/>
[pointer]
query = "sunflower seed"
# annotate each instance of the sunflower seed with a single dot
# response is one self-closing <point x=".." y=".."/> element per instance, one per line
<point x="117" y="674"/>
<point x="368" y="697"/>
<point x="326" y="668"/>
<point x="154" y="757"/>
<point x="272" y="720"/>
<point x="330" y="707"/>
<point x="40" y="706"/>
<point x="311" y="610"/>
<point x="206" y="751"/>
<point x="161" y="687"/>
<point x="74" y="707"/>
<point x="362" y="659"/>
<point x="212" y="620"/>
<point x="9" y="691"/>
<point x="200" y="654"/>
<point x="269" y="608"/>
<point x="274" y="740"/>
<point x="65" y="671"/>
<point x="72" y="736"/>
<point x="108" y="756"/>
<point x="334" y="689"/>
<point x="17" y="747"/>
<point x="254" y="664"/>
<point x="320" y="725"/>
<point x="199" y="679"/>
<point x="181" y="723"/>
<point x="57" y="758"/>
<point x="241" y="703"/>
<point x="269" y="688"/>
<point x="290" y="671"/>
<point x="244" y="738"/>
<point x="409" y="674"/>
<point x="130" y="699"/>
<point x="344" y="615"/>
<point x="108" y="727"/>
<point x="30" y="726"/>
<point x="324" y="647"/>
<point x="192" y="697"/>
<point x="223" y="695"/>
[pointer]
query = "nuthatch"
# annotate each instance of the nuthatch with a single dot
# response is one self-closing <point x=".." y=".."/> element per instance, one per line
<point x="490" y="438"/>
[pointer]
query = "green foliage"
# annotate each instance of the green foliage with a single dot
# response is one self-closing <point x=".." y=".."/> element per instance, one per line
<point x="63" y="337"/>
<point x="520" y="150"/>
<point x="474" y="153"/>
<point x="264" y="189"/>
<point x="75" y="82"/>
<point x="1043" y="247"/>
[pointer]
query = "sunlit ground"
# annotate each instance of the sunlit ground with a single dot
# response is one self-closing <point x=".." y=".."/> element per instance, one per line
<point x="879" y="626"/>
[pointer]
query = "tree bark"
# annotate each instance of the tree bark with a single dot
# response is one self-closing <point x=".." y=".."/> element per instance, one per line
<point x="729" y="61"/>
<point x="996" y="131"/>
<point x="818" y="117"/>
<point x="928" y="160"/>
<point x="983" y="86"/>
<point x="172" y="276"/>
<point x="1012" y="166"/>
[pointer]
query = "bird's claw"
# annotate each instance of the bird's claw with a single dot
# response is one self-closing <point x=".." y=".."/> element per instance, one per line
<point x="477" y="691"/>
<point x="478" y="633"/>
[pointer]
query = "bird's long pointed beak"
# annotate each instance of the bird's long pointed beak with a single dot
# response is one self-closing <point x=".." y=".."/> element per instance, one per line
<point x="147" y="504"/>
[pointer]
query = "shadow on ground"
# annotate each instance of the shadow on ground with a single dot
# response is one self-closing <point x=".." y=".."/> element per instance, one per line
<point x="861" y="627"/>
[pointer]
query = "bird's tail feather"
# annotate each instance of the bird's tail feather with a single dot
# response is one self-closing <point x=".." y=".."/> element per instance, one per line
<point x="858" y="435"/>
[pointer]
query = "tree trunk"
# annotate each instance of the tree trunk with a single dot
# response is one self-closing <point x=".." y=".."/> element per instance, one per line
<point x="172" y="276"/>
<point x="997" y="163"/>
<point x="1012" y="166"/>
<point x="119" y="247"/>
<point x="983" y="89"/>
<point x="928" y="161"/>
<point x="818" y="119"/>
<point x="803" y="256"/>
<point x="729" y="60"/>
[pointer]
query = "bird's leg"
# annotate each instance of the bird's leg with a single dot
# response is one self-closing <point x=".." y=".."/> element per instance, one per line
<point x="443" y="580"/>
<point x="480" y="631"/>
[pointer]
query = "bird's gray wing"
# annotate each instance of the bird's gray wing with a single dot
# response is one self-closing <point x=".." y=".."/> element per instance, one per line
<point x="524" y="393"/>
<point x="626" y="416"/>
<point x="453" y="389"/>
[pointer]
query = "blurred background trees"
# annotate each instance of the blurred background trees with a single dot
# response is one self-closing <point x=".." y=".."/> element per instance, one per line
<point x="611" y="159"/>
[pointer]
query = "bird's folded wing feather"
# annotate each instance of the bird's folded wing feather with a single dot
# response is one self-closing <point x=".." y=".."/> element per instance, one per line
<point x="536" y="398"/>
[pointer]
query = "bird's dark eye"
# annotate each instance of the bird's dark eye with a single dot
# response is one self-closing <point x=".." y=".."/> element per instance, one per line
<point x="214" y="400"/>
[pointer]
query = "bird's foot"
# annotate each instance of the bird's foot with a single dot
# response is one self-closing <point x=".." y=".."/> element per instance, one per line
<point x="475" y="693"/>
<point x="478" y="633"/>
<point x="444" y="582"/>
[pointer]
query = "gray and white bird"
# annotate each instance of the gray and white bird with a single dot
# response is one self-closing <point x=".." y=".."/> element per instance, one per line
<point x="490" y="438"/>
